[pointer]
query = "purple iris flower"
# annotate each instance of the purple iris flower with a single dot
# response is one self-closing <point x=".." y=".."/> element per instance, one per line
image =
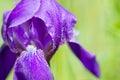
<point x="33" y="31"/>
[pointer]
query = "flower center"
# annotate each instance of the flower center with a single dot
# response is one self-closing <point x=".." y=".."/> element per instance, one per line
<point x="31" y="49"/>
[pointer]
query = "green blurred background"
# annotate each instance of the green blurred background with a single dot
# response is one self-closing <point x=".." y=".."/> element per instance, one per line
<point x="99" y="32"/>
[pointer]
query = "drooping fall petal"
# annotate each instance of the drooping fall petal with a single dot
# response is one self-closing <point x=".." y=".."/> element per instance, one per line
<point x="88" y="59"/>
<point x="31" y="65"/>
<point x="7" y="60"/>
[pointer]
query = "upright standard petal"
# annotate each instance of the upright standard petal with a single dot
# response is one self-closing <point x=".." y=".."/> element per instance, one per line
<point x="7" y="60"/>
<point x="59" y="21"/>
<point x="88" y="59"/>
<point x="38" y="33"/>
<point x="31" y="65"/>
<point x="23" y="11"/>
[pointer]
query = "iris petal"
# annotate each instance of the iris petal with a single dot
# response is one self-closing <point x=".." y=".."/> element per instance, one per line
<point x="31" y="65"/>
<point x="21" y="34"/>
<point x="88" y="59"/>
<point x="37" y="31"/>
<point x="59" y="21"/>
<point x="22" y="12"/>
<point x="18" y="38"/>
<point x="4" y="27"/>
<point x="7" y="60"/>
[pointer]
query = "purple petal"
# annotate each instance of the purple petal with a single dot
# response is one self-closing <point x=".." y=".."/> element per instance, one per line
<point x="38" y="34"/>
<point x="13" y="40"/>
<point x="23" y="12"/>
<point x="59" y="21"/>
<point x="31" y="65"/>
<point x="7" y="60"/>
<point x="88" y="59"/>
<point x="37" y="30"/>
<point x="4" y="27"/>
<point x="7" y="33"/>
<point x="19" y="37"/>
<point x="21" y="34"/>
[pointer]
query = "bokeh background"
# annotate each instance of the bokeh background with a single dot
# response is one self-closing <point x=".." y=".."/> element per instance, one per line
<point x="99" y="32"/>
